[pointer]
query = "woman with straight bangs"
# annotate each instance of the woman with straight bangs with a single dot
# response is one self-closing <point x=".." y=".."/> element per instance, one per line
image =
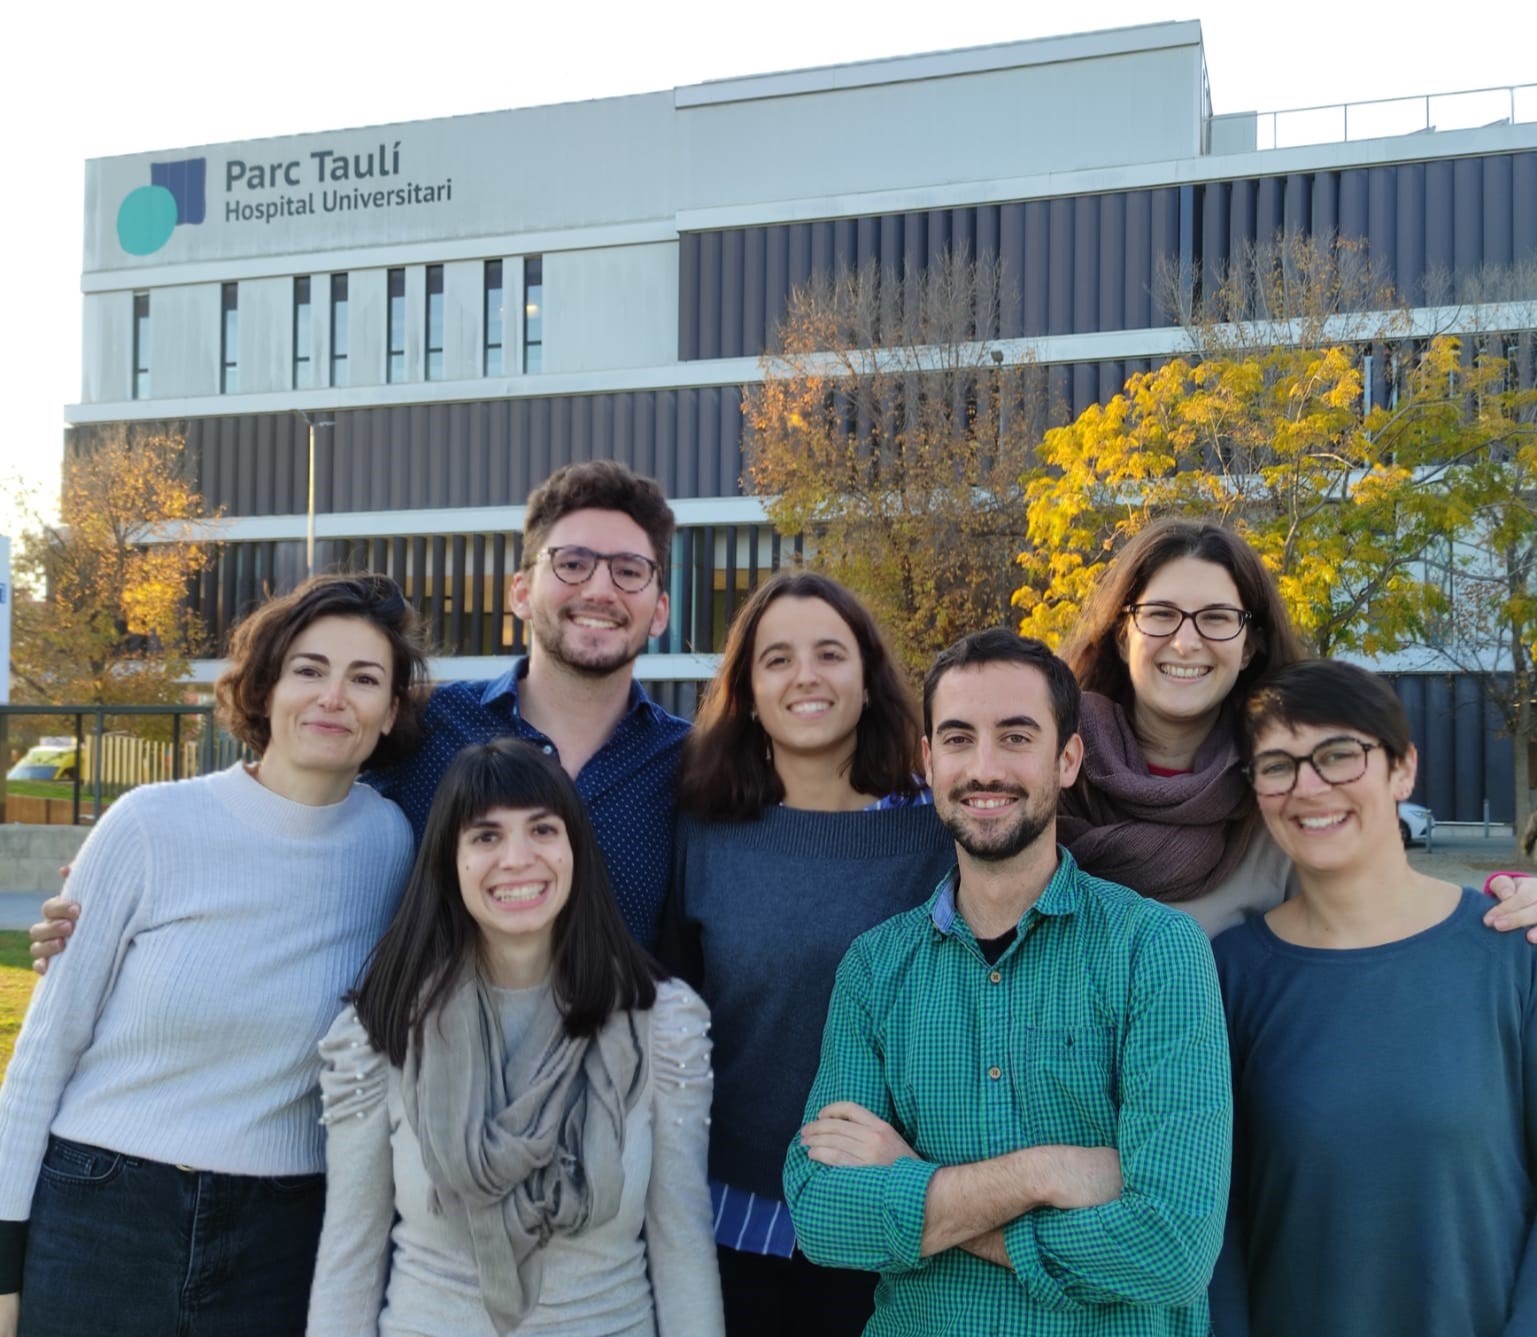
<point x="160" y="1151"/>
<point x="803" y="823"/>
<point x="1184" y="621"/>
<point x="1384" y="1053"/>
<point x="519" y="1088"/>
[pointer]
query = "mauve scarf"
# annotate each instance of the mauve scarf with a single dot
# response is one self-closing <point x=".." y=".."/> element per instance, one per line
<point x="530" y="1144"/>
<point x="1172" y="837"/>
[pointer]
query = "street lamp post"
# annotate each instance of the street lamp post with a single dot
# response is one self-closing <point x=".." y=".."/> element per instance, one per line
<point x="321" y="420"/>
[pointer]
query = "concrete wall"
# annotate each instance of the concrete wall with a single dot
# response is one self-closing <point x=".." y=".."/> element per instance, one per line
<point x="31" y="856"/>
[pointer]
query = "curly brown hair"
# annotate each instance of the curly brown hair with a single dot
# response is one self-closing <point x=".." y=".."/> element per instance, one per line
<point x="260" y="644"/>
<point x="598" y="485"/>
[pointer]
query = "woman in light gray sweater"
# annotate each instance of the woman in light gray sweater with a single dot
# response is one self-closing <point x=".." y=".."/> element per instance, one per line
<point x="519" y="1089"/>
<point x="160" y="1152"/>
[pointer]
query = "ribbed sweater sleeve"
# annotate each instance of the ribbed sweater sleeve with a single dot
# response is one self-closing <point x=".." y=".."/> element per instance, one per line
<point x="220" y="927"/>
<point x="110" y="880"/>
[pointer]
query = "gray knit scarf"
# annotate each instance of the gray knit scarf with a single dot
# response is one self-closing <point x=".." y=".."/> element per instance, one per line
<point x="529" y="1144"/>
<point x="1171" y="837"/>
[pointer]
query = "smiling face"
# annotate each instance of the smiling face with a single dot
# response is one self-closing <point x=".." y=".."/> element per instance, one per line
<point x="993" y="760"/>
<point x="1181" y="681"/>
<point x="808" y="679"/>
<point x="331" y="701"/>
<point x="515" y="876"/>
<point x="1329" y="828"/>
<point x="595" y="628"/>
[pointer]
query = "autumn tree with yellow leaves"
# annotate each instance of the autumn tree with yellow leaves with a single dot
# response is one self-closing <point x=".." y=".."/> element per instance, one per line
<point x="1412" y="522"/>
<point x="891" y="434"/>
<point x="108" y="622"/>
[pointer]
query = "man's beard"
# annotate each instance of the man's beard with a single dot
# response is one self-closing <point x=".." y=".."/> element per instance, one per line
<point x="551" y="633"/>
<point x="998" y="844"/>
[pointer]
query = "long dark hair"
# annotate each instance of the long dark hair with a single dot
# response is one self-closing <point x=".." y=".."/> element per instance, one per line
<point x="727" y="774"/>
<point x="1093" y="649"/>
<point x="596" y="967"/>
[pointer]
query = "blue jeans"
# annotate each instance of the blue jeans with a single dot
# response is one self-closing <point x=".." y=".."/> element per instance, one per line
<point x="139" y="1249"/>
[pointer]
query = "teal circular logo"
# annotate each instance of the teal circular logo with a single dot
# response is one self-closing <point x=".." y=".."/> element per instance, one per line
<point x="145" y="219"/>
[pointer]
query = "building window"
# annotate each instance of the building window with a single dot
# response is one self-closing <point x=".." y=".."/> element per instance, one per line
<point x="141" y="345"/>
<point x="434" y="322"/>
<point x="304" y="336"/>
<point x="493" y="318"/>
<point x="229" y="339"/>
<point x="395" y="370"/>
<point x="533" y="313"/>
<point x="339" y="340"/>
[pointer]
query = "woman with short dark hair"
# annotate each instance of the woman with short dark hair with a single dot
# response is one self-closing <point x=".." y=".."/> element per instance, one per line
<point x="160" y="1152"/>
<point x="519" y="1088"/>
<point x="804" y="822"/>
<point x="1384" y="1053"/>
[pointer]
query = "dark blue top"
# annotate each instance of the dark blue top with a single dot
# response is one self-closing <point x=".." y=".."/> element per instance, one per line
<point x="628" y="785"/>
<point x="1385" y="1135"/>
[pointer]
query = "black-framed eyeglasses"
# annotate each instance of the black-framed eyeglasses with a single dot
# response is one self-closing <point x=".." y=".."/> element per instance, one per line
<point x="1216" y="623"/>
<point x="574" y="565"/>
<point x="1336" y="761"/>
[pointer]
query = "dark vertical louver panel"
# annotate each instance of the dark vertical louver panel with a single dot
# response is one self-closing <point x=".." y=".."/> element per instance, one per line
<point x="753" y="335"/>
<point x="519" y="463"/>
<point x="1059" y="273"/>
<point x="1011" y="252"/>
<point x="776" y="284"/>
<point x="1382" y="225"/>
<point x="1111" y="312"/>
<point x="732" y="286"/>
<point x="688" y="297"/>
<point x="702" y="428"/>
<point x="499" y="449"/>
<point x="1164" y="255"/>
<point x="1438" y="229"/>
<point x="1036" y="273"/>
<point x="245" y="486"/>
<point x="1269" y="208"/>
<point x="1499" y="222"/>
<point x="822" y="250"/>
<point x="1139" y="251"/>
<point x="1297" y="205"/>
<point x="1523" y="206"/>
<point x="1409" y="243"/>
<point x="1325" y="214"/>
<point x="644" y="410"/>
<point x="1214" y="230"/>
<point x="1467" y="221"/>
<point x="1085" y="264"/>
<point x="1354" y="208"/>
<point x="800" y="254"/>
<point x="709" y="291"/>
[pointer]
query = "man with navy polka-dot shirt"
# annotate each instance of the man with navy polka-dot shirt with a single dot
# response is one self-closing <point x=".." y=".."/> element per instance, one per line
<point x="591" y="593"/>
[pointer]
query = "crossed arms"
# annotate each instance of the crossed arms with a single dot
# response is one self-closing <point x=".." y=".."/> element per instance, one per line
<point x="1071" y="1229"/>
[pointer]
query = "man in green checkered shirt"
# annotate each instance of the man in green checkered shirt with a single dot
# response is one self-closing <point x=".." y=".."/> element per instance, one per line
<point x="1022" y="1118"/>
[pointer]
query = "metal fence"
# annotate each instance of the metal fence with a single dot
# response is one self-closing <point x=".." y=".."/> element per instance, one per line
<point x="113" y="751"/>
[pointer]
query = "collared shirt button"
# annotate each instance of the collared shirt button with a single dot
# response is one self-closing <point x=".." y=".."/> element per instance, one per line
<point x="996" y="976"/>
<point x="547" y="749"/>
<point x="995" y="1072"/>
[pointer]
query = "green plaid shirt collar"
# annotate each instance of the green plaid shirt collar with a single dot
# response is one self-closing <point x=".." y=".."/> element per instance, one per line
<point x="1060" y="897"/>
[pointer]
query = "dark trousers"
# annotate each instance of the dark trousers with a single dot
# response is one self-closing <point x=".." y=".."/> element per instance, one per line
<point x="791" y="1297"/>
<point x="140" y="1249"/>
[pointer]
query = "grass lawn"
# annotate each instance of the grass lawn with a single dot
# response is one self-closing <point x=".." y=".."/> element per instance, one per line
<point x="16" y="981"/>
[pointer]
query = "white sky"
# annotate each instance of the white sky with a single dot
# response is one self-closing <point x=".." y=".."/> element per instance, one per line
<point x="91" y="79"/>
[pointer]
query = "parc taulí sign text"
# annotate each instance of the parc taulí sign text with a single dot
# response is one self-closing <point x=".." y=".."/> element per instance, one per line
<point x="324" y="180"/>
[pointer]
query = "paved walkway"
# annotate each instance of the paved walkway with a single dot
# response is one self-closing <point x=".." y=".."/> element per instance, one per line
<point x="20" y="909"/>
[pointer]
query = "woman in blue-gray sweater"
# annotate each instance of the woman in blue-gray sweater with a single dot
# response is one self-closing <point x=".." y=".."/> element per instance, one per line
<point x="1384" y="1053"/>
<point x="161" y="1155"/>
<point x="804" y="824"/>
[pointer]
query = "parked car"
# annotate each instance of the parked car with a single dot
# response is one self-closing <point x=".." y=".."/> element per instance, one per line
<point x="52" y="759"/>
<point x="1415" y="823"/>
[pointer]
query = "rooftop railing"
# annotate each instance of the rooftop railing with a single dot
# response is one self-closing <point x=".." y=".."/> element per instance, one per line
<point x="1379" y="118"/>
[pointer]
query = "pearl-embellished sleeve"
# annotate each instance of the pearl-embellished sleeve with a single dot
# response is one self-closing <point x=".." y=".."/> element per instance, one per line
<point x="680" y="1243"/>
<point x="353" y="1264"/>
